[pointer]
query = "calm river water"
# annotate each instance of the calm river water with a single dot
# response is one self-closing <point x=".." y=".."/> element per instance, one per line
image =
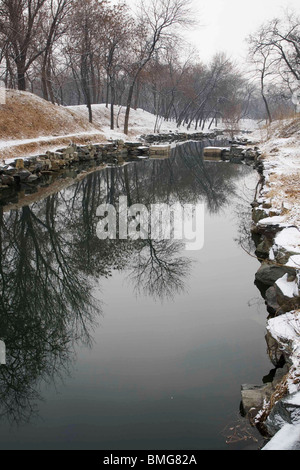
<point x="131" y="344"/>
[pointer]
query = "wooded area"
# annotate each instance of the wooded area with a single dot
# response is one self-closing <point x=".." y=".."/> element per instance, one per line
<point x="74" y="52"/>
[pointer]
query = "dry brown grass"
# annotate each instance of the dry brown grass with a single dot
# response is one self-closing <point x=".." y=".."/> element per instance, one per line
<point x="26" y="116"/>
<point x="280" y="392"/>
<point x="291" y="129"/>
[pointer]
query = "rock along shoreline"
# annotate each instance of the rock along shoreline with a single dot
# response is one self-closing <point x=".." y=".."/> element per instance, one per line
<point x="274" y="408"/>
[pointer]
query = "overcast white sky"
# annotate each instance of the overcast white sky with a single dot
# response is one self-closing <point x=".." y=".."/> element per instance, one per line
<point x="225" y="24"/>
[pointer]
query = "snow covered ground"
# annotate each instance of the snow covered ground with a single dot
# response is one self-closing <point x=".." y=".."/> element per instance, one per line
<point x="286" y="330"/>
<point x="142" y="122"/>
<point x="288" y="438"/>
<point x="280" y="145"/>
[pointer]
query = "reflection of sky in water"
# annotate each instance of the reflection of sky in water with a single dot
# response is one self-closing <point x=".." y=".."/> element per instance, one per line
<point x="162" y="371"/>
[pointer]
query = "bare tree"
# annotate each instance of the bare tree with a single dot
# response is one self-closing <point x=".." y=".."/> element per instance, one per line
<point x="283" y="36"/>
<point x="85" y="40"/>
<point x="55" y="26"/>
<point x="262" y="59"/>
<point x="275" y="52"/>
<point x="20" y="27"/>
<point x="156" y="23"/>
<point x="117" y="37"/>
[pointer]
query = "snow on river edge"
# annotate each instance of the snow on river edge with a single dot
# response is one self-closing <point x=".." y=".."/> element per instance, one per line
<point x="279" y="199"/>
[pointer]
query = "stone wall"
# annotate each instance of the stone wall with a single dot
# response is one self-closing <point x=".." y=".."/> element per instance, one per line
<point x="29" y="170"/>
<point x="260" y="403"/>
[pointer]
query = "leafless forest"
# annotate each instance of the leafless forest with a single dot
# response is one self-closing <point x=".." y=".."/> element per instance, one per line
<point x="91" y="51"/>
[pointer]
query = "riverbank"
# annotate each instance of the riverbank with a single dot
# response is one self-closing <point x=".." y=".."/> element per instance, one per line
<point x="30" y="126"/>
<point x="276" y="231"/>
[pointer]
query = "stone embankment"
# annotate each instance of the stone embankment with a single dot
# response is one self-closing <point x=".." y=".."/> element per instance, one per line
<point x="29" y="169"/>
<point x="181" y="136"/>
<point x="29" y="172"/>
<point x="185" y="136"/>
<point x="236" y="153"/>
<point x="274" y="406"/>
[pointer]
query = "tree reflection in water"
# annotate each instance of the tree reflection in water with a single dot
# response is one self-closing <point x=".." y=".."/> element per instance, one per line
<point x="51" y="261"/>
<point x="158" y="271"/>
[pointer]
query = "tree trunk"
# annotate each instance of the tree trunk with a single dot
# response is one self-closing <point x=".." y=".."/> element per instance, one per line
<point x="265" y="100"/>
<point x="49" y="82"/>
<point x="267" y="108"/>
<point x="86" y="89"/>
<point x="137" y="94"/>
<point x="21" y="79"/>
<point x="127" y="114"/>
<point x="107" y="91"/>
<point x="112" y="117"/>
<point x="44" y="83"/>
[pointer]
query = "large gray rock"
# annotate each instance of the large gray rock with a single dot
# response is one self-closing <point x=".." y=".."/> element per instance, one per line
<point x="259" y="214"/>
<point x="268" y="274"/>
<point x="288" y="438"/>
<point x="286" y="411"/>
<point x="275" y="352"/>
<point x="278" y="303"/>
<point x="272" y="303"/>
<point x="284" y="424"/>
<point x="263" y="248"/>
<point x="253" y="396"/>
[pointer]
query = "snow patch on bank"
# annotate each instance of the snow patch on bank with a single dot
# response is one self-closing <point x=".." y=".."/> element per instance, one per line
<point x="288" y="438"/>
<point x="279" y="144"/>
<point x="285" y="329"/>
<point x="289" y="289"/>
<point x="289" y="238"/>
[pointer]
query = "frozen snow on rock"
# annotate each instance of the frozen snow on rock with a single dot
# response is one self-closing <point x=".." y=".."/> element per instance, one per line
<point x="294" y="262"/>
<point x="289" y="289"/>
<point x="276" y="220"/>
<point x="285" y="417"/>
<point x="289" y="239"/>
<point x="271" y="255"/>
<point x="288" y="438"/>
<point x="285" y="329"/>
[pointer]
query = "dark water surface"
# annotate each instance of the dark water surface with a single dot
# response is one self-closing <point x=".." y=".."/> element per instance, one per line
<point x="131" y="344"/>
